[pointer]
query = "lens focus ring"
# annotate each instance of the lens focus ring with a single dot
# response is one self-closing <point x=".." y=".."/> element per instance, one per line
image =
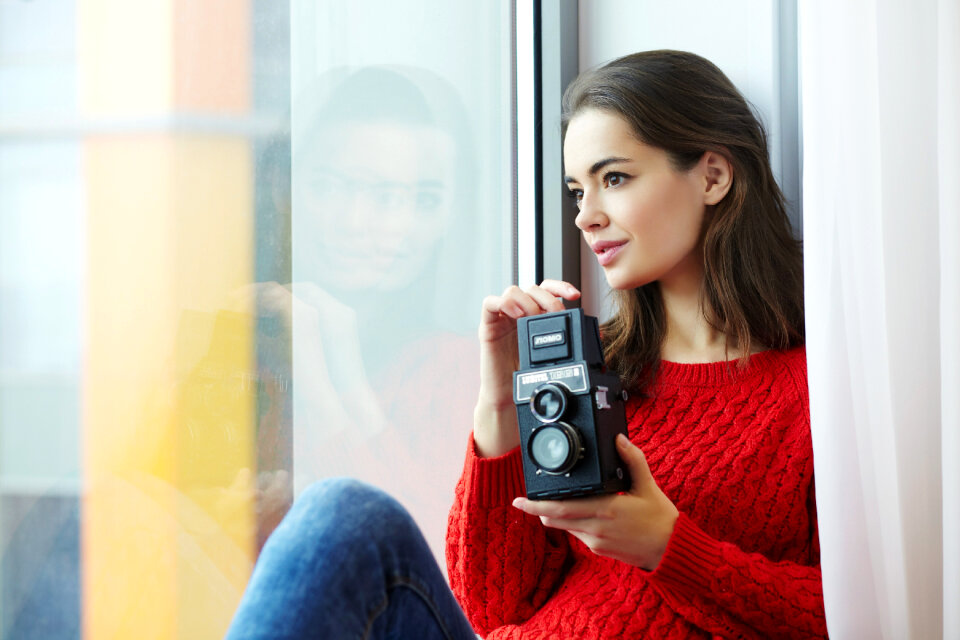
<point x="555" y="448"/>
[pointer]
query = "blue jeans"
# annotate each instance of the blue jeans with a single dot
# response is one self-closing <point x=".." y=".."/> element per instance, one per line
<point x="348" y="562"/>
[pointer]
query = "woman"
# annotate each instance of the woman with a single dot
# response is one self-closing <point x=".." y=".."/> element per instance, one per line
<point x="717" y="536"/>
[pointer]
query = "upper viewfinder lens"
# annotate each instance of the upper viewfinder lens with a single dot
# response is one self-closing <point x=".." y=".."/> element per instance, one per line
<point x="549" y="402"/>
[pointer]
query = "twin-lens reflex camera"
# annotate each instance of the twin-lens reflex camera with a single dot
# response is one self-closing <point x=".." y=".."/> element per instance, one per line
<point x="569" y="408"/>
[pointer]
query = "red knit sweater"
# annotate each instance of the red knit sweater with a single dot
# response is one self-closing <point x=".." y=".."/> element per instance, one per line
<point x="731" y="448"/>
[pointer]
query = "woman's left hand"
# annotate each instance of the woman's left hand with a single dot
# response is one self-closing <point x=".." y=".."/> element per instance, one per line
<point x="632" y="527"/>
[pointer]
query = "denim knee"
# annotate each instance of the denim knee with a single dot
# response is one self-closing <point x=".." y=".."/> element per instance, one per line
<point x="345" y="511"/>
<point x="341" y="556"/>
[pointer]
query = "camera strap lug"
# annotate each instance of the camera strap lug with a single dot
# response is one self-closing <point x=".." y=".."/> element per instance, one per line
<point x="600" y="395"/>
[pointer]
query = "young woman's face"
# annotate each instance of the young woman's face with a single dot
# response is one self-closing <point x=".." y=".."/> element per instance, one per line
<point x="642" y="218"/>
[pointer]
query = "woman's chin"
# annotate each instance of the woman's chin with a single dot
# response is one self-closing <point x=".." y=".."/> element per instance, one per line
<point x="619" y="283"/>
<point x="616" y="280"/>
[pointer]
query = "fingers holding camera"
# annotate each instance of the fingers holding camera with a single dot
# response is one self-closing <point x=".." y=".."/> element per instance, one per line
<point x="546" y="297"/>
<point x="495" y="420"/>
<point x="558" y="289"/>
<point x="515" y="303"/>
<point x="498" y="321"/>
<point x="632" y="527"/>
<point x="499" y="315"/>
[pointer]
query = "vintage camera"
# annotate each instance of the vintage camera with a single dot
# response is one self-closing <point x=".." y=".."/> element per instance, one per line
<point x="569" y="408"/>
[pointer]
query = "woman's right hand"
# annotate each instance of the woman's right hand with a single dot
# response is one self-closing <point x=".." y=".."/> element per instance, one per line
<point x="495" y="419"/>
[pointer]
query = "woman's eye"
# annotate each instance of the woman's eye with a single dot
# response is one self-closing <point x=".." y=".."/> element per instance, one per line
<point x="614" y="179"/>
<point x="576" y="195"/>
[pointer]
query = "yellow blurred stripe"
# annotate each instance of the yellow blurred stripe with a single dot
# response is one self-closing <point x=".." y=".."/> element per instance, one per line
<point x="168" y="516"/>
<point x="168" y="513"/>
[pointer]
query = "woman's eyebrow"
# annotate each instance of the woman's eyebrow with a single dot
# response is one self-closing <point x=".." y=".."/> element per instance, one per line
<point x="597" y="166"/>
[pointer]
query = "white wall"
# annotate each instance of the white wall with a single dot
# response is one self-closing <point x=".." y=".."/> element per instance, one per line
<point x="739" y="36"/>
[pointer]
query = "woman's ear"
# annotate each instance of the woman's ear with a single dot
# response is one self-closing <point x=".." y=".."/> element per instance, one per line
<point x="718" y="176"/>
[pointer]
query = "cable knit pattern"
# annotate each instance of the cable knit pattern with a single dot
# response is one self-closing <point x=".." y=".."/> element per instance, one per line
<point x="732" y="449"/>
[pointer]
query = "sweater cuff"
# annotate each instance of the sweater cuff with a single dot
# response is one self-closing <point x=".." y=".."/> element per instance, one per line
<point x="690" y="560"/>
<point x="493" y="482"/>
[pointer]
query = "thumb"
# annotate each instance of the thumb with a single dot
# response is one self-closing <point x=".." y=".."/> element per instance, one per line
<point x="635" y="461"/>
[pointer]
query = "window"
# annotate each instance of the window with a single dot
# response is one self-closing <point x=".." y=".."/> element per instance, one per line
<point x="242" y="247"/>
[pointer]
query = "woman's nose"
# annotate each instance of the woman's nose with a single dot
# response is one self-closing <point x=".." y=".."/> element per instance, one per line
<point x="591" y="215"/>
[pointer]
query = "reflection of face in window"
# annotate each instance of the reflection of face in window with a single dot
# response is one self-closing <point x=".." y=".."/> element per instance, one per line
<point x="376" y="198"/>
<point x="380" y="164"/>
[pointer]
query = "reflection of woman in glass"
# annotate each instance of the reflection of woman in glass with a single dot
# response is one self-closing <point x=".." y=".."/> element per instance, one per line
<point x="381" y="232"/>
<point x="717" y="536"/>
<point x="379" y="226"/>
<point x="375" y="194"/>
<point x="378" y="176"/>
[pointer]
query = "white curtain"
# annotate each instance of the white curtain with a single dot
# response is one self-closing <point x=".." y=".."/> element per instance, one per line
<point x="880" y="82"/>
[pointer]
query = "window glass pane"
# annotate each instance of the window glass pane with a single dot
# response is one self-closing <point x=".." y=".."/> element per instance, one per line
<point x="402" y="219"/>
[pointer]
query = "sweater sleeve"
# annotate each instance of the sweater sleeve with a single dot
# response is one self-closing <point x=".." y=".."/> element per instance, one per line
<point x="733" y="593"/>
<point x="503" y="564"/>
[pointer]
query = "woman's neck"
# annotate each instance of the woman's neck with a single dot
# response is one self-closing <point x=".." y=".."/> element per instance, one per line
<point x="690" y="338"/>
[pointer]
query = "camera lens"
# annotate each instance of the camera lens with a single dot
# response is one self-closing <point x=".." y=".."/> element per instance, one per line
<point x="555" y="448"/>
<point x="549" y="402"/>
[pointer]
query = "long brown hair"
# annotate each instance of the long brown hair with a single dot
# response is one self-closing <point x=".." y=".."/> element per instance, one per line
<point x="753" y="283"/>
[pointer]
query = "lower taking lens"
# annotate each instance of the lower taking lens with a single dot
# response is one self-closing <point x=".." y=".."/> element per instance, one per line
<point x="555" y="448"/>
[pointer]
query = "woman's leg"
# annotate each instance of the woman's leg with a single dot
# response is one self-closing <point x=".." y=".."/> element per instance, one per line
<point x="347" y="562"/>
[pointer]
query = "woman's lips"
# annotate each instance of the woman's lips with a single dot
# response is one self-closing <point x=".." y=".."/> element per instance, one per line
<point x="607" y="251"/>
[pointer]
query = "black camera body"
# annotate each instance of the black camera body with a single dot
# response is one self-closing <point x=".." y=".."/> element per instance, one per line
<point x="569" y="408"/>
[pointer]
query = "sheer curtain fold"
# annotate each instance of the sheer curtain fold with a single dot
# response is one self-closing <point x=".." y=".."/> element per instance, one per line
<point x="880" y="106"/>
<point x="948" y="157"/>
